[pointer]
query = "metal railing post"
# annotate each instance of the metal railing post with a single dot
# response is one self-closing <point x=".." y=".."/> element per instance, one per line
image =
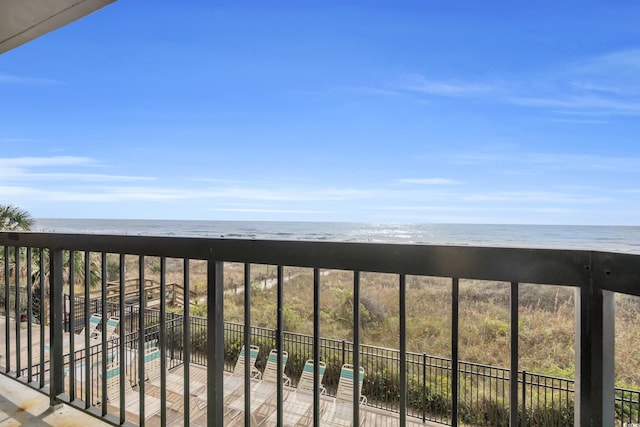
<point x="247" y="344"/>
<point x="163" y="340"/>
<point x="7" y="323"/>
<point x="173" y="334"/>
<point x="71" y="319"/>
<point x="403" y="349"/>
<point x="42" y="317"/>
<point x="524" y="398"/>
<point x="513" y="374"/>
<point x="103" y="344"/>
<point x="29" y="314"/>
<point x="356" y="348"/>
<point x="455" y="292"/>
<point x="18" y="310"/>
<point x="121" y="332"/>
<point x="316" y="347"/>
<point x="186" y="339"/>
<point x="141" y="339"/>
<point x="87" y="346"/>
<point x="594" y="344"/>
<point x="56" y="327"/>
<point x="424" y="387"/>
<point x="280" y="343"/>
<point x="215" y="343"/>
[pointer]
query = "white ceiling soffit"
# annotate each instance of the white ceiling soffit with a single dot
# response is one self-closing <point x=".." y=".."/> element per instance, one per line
<point x="24" y="20"/>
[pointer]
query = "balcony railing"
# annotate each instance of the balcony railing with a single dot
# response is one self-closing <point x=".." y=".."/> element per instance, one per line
<point x="38" y="268"/>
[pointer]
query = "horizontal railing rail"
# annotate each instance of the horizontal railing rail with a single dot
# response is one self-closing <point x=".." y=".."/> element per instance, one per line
<point x="46" y="263"/>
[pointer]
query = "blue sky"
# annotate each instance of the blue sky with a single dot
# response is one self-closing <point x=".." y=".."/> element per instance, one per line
<point x="376" y="111"/>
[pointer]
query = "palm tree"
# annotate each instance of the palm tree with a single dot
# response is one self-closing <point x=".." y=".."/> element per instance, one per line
<point x="78" y="263"/>
<point x="13" y="218"/>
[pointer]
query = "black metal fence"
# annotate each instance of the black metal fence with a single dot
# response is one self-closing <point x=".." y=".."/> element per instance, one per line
<point x="11" y="308"/>
<point x="627" y="406"/>
<point x="484" y="390"/>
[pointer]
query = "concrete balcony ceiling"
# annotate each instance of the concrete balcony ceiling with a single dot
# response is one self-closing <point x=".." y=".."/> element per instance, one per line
<point x="24" y="20"/>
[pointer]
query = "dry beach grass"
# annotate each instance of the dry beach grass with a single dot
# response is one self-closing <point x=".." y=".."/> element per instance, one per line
<point x="545" y="329"/>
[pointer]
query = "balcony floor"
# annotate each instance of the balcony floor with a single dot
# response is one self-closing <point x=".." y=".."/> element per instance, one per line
<point x="20" y="405"/>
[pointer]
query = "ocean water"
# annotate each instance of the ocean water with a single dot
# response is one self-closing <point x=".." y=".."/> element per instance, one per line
<point x="601" y="238"/>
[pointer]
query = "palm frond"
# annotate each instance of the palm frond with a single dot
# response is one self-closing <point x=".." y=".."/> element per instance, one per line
<point x="13" y="218"/>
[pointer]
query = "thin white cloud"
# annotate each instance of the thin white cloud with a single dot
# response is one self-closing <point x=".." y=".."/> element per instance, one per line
<point x="585" y="162"/>
<point x="12" y="191"/>
<point x="21" y="169"/>
<point x="419" y="84"/>
<point x="220" y="180"/>
<point x="604" y="85"/>
<point x="540" y="162"/>
<point x="428" y="181"/>
<point x="536" y="197"/>
<point x="15" y="162"/>
<point x="266" y="210"/>
<point x="449" y="208"/>
<point x="433" y="208"/>
<point x="367" y="90"/>
<point x="11" y="140"/>
<point x="289" y="194"/>
<point x="608" y="89"/>
<point x="84" y="193"/>
<point x="582" y="121"/>
<point x="11" y="79"/>
<point x="622" y="62"/>
<point x="84" y="177"/>
<point x="429" y="196"/>
<point x="607" y="84"/>
<point x="627" y="191"/>
<point x="89" y="194"/>
<point x="590" y="104"/>
<point x="519" y="172"/>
